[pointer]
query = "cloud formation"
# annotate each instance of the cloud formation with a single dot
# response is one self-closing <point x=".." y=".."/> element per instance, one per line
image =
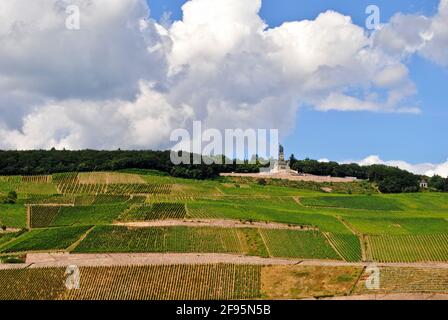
<point x="125" y="80"/>
<point x="428" y="169"/>
<point x="411" y="34"/>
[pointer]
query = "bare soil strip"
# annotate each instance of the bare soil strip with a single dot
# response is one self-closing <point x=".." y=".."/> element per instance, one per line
<point x="9" y="230"/>
<point x="39" y="260"/>
<point x="393" y="296"/>
<point x="124" y="259"/>
<point x="212" y="223"/>
<point x="288" y="176"/>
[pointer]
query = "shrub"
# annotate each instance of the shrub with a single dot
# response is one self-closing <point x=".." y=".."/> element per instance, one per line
<point x="11" y="198"/>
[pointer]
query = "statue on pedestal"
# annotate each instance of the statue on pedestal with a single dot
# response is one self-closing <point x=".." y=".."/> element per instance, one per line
<point x="280" y="165"/>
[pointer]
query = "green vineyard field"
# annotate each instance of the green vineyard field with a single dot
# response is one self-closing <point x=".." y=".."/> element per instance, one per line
<point x="155" y="211"/>
<point x="89" y="215"/>
<point x="46" y="239"/>
<point x="297" y="244"/>
<point x="113" y="189"/>
<point x="354" y="202"/>
<point x="174" y="282"/>
<point x="43" y="216"/>
<point x="407" y="280"/>
<point x="172" y="239"/>
<point x="409" y="248"/>
<point x="348" y="246"/>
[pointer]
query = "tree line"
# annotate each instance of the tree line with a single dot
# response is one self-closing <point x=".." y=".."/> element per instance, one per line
<point x="37" y="162"/>
<point x="388" y="179"/>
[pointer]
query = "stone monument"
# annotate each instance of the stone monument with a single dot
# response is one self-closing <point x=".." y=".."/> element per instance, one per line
<point x="280" y="166"/>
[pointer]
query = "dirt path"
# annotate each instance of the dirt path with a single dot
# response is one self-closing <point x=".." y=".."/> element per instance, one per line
<point x="77" y="242"/>
<point x="9" y="230"/>
<point x="213" y="223"/>
<point x="117" y="259"/>
<point x="36" y="260"/>
<point x="394" y="296"/>
<point x="288" y="176"/>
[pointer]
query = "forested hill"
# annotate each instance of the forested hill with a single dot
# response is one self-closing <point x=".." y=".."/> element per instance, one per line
<point x="388" y="179"/>
<point x="47" y="162"/>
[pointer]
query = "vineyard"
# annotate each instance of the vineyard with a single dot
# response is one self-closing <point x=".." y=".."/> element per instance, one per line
<point x="192" y="282"/>
<point x="213" y="282"/>
<point x="7" y="237"/>
<point x="109" y="178"/>
<point x="101" y="199"/>
<point x="353" y="202"/>
<point x="239" y="219"/>
<point x="155" y="211"/>
<point x="89" y="215"/>
<point x="174" y="282"/>
<point x="199" y="213"/>
<point x="399" y="226"/>
<point x="42" y="216"/>
<point x="407" y="280"/>
<point x="37" y="179"/>
<point x="30" y="189"/>
<point x="172" y="239"/>
<point x="297" y="244"/>
<point x="114" y="189"/>
<point x="415" y="248"/>
<point x="52" y="199"/>
<point x="46" y="239"/>
<point x="32" y="284"/>
<point x="107" y="184"/>
<point x="348" y="246"/>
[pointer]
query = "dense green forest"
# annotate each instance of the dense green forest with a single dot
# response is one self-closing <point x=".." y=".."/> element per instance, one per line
<point x="388" y="179"/>
<point x="54" y="161"/>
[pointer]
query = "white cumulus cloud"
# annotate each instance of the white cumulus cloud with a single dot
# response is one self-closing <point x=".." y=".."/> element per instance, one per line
<point x="408" y="34"/>
<point x="125" y="80"/>
<point x="428" y="169"/>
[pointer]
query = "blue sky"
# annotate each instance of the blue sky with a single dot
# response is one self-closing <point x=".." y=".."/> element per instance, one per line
<point x="356" y="135"/>
<point x="335" y="90"/>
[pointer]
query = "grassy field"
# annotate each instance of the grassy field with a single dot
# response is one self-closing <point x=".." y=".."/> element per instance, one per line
<point x="399" y="226"/>
<point x="276" y="209"/>
<point x="298" y="282"/>
<point x="13" y="215"/>
<point x="378" y="203"/>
